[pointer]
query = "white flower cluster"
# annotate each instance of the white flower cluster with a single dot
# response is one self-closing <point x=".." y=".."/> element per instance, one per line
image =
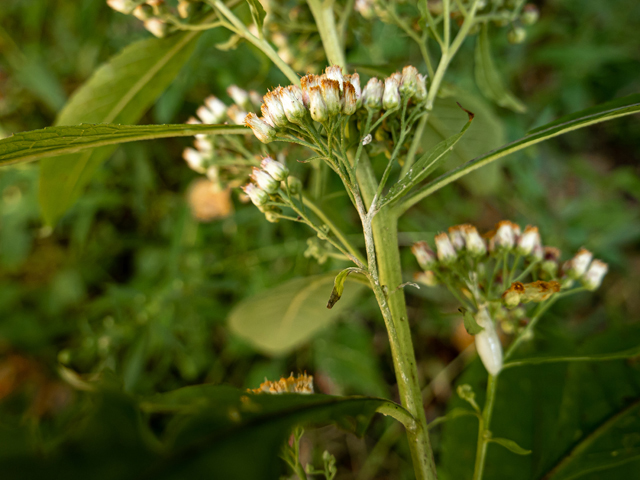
<point x="464" y="242"/>
<point x="322" y="98"/>
<point x="214" y="111"/>
<point x="153" y="12"/>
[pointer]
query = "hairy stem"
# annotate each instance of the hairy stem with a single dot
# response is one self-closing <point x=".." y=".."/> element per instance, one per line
<point x="484" y="433"/>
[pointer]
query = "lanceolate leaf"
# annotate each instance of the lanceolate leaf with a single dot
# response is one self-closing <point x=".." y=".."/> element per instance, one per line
<point x="281" y="318"/>
<point x="607" y="111"/>
<point x="258" y="14"/>
<point x="338" y="285"/>
<point x="488" y="78"/>
<point x="426" y="164"/>
<point x="120" y="91"/>
<point x="511" y="445"/>
<point x="54" y="141"/>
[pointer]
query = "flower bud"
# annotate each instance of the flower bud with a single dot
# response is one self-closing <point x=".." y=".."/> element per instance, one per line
<point x="276" y="111"/>
<point x="365" y="8"/>
<point x="122" y="6"/>
<point x="528" y="241"/>
<point x="505" y="236"/>
<point x="421" y="89"/>
<point x="391" y="96"/>
<point x="350" y="100"/>
<point x="425" y="256"/>
<point x="203" y="145"/>
<point x="157" y="27"/>
<point x="216" y="107"/>
<point x="372" y="94"/>
<point x="355" y="81"/>
<point x="274" y="168"/>
<point x="488" y="343"/>
<point x="516" y="35"/>
<point x="592" y="279"/>
<point x="334" y="72"/>
<point x="456" y="237"/>
<point x="549" y="264"/>
<point x="295" y="185"/>
<point x="258" y="196"/>
<point x="331" y="94"/>
<point x="239" y="96"/>
<point x="409" y="85"/>
<point x="427" y="278"/>
<point x="207" y="116"/>
<point x="317" y="107"/>
<point x="577" y="266"/>
<point x="143" y="12"/>
<point x="446" y="252"/>
<point x="194" y="159"/>
<point x="474" y="243"/>
<point x="511" y="297"/>
<point x="265" y="181"/>
<point x="261" y="129"/>
<point x="292" y="104"/>
<point x="530" y="14"/>
<point x="307" y="82"/>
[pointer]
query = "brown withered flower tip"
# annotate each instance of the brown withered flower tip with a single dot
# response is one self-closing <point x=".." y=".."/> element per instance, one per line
<point x="303" y="383"/>
<point x="540" y="291"/>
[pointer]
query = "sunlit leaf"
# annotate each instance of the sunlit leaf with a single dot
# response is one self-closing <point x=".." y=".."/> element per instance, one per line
<point x="279" y="319"/>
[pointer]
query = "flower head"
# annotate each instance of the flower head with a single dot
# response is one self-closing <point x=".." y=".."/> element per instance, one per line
<point x="578" y="265"/>
<point x="265" y="181"/>
<point x="391" y="96"/>
<point x="409" y="85"/>
<point x="239" y="96"/>
<point x="301" y="384"/>
<point x="317" y="107"/>
<point x="274" y="168"/>
<point x="275" y="108"/>
<point x="425" y="256"/>
<point x="528" y="241"/>
<point x="372" y="94"/>
<point x="474" y="243"/>
<point x="446" y="252"/>
<point x="331" y="95"/>
<point x="291" y="99"/>
<point x="258" y="196"/>
<point x="261" y="129"/>
<point x="592" y="278"/>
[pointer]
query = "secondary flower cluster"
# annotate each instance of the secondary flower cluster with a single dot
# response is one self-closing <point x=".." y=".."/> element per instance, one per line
<point x="323" y="98"/>
<point x="222" y="159"/>
<point x="155" y="14"/>
<point x="303" y="383"/>
<point x="484" y="274"/>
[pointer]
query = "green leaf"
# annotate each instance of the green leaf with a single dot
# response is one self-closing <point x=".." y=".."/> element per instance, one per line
<point x="426" y="164"/>
<point x="577" y="418"/>
<point x="511" y="445"/>
<point x="488" y="78"/>
<point x="486" y="133"/>
<point x="338" y="285"/>
<point x="120" y="91"/>
<point x="258" y="14"/>
<point x="470" y="323"/>
<point x="601" y="357"/>
<point x="279" y="319"/>
<point x="54" y="141"/>
<point x="624" y="106"/>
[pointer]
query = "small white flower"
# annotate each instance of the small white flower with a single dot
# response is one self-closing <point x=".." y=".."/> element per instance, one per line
<point x="217" y="108"/>
<point x="194" y="159"/>
<point x="317" y="107"/>
<point x="528" y="241"/>
<point x="578" y="265"/>
<point x="276" y="110"/>
<point x="334" y="72"/>
<point x="421" y="89"/>
<point x="292" y="104"/>
<point x="367" y="140"/>
<point x="258" y="196"/>
<point x="391" y="96"/>
<point x="372" y="94"/>
<point x="206" y="115"/>
<point x="274" y="168"/>
<point x="350" y="100"/>
<point x="592" y="279"/>
<point x="331" y="94"/>
<point x="355" y="81"/>
<point x="425" y="256"/>
<point x="122" y="6"/>
<point x="446" y="252"/>
<point x="265" y="181"/>
<point x="236" y="114"/>
<point x="457" y="239"/>
<point x="474" y="243"/>
<point x="157" y="27"/>
<point x="505" y="237"/>
<point x="427" y="278"/>
<point x="261" y="129"/>
<point x="409" y="84"/>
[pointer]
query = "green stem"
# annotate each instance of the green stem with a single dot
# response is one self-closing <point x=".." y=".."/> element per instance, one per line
<point x="415" y="144"/>
<point x="336" y="231"/>
<point x="484" y="433"/>
<point x="322" y="11"/>
<point x="385" y="236"/>
<point x="263" y="45"/>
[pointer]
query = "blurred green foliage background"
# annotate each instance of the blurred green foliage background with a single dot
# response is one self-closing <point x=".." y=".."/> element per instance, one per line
<point x="130" y="283"/>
